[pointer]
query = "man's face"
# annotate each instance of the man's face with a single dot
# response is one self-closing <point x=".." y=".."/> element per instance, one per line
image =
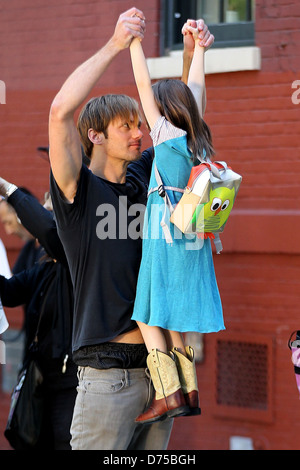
<point x="124" y="139"/>
<point x="9" y="219"/>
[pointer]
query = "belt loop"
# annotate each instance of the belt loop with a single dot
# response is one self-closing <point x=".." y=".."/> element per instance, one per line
<point x="126" y="377"/>
<point x="80" y="372"/>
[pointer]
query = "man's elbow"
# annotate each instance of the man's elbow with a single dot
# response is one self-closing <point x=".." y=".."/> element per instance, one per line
<point x="58" y="110"/>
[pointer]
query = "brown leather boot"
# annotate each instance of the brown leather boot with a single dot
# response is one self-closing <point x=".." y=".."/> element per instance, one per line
<point x="188" y="379"/>
<point x="169" y="400"/>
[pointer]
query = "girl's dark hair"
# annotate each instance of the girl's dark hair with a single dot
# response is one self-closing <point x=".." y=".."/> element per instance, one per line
<point x="177" y="104"/>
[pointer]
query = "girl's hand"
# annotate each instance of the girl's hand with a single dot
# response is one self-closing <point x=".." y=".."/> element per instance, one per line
<point x="196" y="31"/>
<point x="205" y="37"/>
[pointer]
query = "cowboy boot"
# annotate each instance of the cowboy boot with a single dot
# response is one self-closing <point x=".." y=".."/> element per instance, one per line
<point x="168" y="400"/>
<point x="188" y="379"/>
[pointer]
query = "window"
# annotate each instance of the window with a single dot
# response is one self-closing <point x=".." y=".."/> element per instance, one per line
<point x="231" y="21"/>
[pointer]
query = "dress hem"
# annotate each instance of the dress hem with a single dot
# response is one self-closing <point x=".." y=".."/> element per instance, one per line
<point x="184" y="330"/>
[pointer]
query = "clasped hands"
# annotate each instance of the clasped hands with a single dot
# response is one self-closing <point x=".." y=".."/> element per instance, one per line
<point x="132" y="24"/>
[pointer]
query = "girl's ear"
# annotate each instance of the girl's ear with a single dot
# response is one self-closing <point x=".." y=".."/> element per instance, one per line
<point x="95" y="137"/>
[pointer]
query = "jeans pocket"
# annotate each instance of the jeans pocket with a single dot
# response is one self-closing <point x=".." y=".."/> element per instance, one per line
<point x="102" y="386"/>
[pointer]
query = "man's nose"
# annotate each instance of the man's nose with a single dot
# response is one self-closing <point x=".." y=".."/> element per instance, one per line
<point x="137" y="133"/>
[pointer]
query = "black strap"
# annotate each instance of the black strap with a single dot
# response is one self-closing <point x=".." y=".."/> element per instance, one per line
<point x="33" y="346"/>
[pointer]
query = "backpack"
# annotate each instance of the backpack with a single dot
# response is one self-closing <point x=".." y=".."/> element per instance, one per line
<point x="206" y="201"/>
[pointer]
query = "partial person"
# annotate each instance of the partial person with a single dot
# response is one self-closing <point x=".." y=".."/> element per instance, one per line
<point x="31" y="251"/>
<point x="39" y="289"/>
<point x="47" y="292"/>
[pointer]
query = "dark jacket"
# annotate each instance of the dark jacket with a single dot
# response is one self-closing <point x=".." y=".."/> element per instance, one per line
<point x="46" y="290"/>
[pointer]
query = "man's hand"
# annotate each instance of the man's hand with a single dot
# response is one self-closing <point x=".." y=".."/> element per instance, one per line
<point x="206" y="39"/>
<point x="131" y="24"/>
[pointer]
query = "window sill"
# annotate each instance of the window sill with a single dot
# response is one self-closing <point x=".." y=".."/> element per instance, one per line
<point x="230" y="59"/>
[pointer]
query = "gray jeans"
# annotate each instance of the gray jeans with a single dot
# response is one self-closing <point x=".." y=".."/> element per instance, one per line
<point x="107" y="403"/>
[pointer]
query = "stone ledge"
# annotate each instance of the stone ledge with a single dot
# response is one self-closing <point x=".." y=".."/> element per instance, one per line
<point x="230" y="59"/>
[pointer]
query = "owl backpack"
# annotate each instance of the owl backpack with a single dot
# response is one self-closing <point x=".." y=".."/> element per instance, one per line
<point x="206" y="202"/>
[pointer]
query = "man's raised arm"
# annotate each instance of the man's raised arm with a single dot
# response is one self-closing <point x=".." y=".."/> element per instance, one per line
<point x="65" y="151"/>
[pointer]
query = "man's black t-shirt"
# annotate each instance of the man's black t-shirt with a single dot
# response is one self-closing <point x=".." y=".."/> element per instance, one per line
<point x="101" y="232"/>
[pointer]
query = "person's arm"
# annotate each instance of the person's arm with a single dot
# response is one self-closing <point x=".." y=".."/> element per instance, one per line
<point x="196" y="78"/>
<point x="39" y="222"/>
<point x="65" y="150"/>
<point x="15" y="291"/>
<point x="205" y="39"/>
<point x="143" y="82"/>
<point x="36" y="219"/>
<point x="188" y="49"/>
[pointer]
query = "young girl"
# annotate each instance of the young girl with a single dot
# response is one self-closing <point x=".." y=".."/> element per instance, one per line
<point x="177" y="289"/>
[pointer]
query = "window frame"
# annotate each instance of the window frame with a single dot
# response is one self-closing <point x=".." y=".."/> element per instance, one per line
<point x="238" y="34"/>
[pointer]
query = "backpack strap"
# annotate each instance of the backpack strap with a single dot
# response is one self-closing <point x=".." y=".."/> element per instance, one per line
<point x="218" y="243"/>
<point x="161" y="188"/>
<point x="162" y="191"/>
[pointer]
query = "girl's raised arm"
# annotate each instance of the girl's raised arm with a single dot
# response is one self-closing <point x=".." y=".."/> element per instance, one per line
<point x="143" y="82"/>
<point x="197" y="32"/>
<point x="196" y="78"/>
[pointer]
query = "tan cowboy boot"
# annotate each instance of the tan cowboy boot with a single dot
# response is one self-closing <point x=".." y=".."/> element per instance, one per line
<point x="169" y="400"/>
<point x="188" y="379"/>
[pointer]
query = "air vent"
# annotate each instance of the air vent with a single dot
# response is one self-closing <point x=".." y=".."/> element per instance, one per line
<point x="244" y="376"/>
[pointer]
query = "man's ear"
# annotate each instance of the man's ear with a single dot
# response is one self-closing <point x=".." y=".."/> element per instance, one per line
<point x="97" y="138"/>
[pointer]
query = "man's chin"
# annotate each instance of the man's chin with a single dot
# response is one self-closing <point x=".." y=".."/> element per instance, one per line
<point x="136" y="153"/>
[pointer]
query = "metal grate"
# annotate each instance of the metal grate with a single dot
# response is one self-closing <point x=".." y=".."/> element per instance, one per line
<point x="242" y="374"/>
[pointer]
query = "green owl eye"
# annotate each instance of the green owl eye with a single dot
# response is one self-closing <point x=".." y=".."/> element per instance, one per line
<point x="225" y="205"/>
<point x="216" y="204"/>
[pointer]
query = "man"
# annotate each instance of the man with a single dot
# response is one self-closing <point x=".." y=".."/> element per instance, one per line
<point x="89" y="205"/>
<point x="31" y="251"/>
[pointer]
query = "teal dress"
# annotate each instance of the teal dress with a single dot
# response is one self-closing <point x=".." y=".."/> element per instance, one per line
<point x="177" y="288"/>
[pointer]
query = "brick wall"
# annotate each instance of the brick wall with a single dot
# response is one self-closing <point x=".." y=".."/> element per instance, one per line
<point x="255" y="127"/>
